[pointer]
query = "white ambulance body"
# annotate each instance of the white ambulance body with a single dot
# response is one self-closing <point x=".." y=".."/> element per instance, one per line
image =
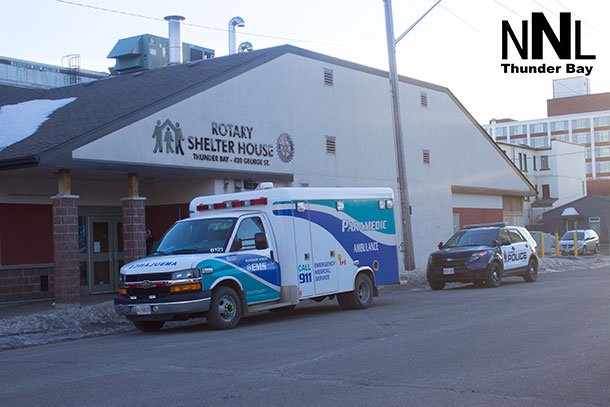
<point x="264" y="250"/>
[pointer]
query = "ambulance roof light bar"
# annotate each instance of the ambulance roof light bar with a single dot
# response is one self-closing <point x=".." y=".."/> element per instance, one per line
<point x="232" y="204"/>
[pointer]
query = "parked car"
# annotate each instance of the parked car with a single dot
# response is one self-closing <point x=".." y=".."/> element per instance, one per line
<point x="588" y="242"/>
<point x="483" y="256"/>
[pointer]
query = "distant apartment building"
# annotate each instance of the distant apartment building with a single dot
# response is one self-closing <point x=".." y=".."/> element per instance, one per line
<point x="574" y="115"/>
<point x="557" y="172"/>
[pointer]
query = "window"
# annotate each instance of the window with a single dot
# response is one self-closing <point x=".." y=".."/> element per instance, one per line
<point x="602" y="136"/>
<point x="546" y="191"/>
<point x="602" y="166"/>
<point x="538" y="128"/>
<point x="588" y="153"/>
<point x="544" y="162"/>
<point x="515" y="237"/>
<point x="538" y="142"/>
<point x="521" y="161"/>
<point x="580" y="124"/>
<point x="329" y="79"/>
<point x="500" y="131"/>
<point x="331" y="145"/>
<point x="244" y="238"/>
<point x="518" y="130"/>
<point x="423" y="99"/>
<point x="581" y="138"/>
<point x="601" y="121"/>
<point x="564" y="137"/>
<point x="534" y="162"/>
<point x="589" y="168"/>
<point x="426" y="154"/>
<point x="559" y="126"/>
<point x="524" y="162"/>
<point x="601" y="152"/>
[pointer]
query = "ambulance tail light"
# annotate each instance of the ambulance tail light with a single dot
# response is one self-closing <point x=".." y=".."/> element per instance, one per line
<point x="259" y="201"/>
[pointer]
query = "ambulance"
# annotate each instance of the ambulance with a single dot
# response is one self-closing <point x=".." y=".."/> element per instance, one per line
<point x="266" y="249"/>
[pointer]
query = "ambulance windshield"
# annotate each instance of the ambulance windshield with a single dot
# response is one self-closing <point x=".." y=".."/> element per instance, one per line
<point x="197" y="236"/>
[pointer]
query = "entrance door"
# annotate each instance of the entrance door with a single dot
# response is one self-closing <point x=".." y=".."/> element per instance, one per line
<point x="105" y="254"/>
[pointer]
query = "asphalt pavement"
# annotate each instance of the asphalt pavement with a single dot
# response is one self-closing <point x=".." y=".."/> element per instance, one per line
<point x="522" y="344"/>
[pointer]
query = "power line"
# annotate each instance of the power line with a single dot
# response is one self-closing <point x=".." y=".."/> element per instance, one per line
<point x="510" y="9"/>
<point x="211" y="28"/>
<point x="464" y="21"/>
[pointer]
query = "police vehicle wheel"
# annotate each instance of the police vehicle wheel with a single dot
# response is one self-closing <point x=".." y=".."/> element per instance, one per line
<point x="437" y="285"/>
<point x="596" y="249"/>
<point x="584" y="250"/>
<point x="225" y="309"/>
<point x="532" y="272"/>
<point x="148" y="326"/>
<point x="494" y="278"/>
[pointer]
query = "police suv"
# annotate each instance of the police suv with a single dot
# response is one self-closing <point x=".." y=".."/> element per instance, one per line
<point x="484" y="255"/>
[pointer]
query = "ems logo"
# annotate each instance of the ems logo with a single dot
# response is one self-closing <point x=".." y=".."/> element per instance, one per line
<point x="169" y="136"/>
<point x="285" y="147"/>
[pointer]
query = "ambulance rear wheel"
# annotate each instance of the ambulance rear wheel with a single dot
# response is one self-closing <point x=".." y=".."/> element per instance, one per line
<point x="148" y="326"/>
<point x="361" y="297"/>
<point x="225" y="308"/>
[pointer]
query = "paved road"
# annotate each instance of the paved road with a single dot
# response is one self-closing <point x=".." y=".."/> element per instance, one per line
<point x="540" y="344"/>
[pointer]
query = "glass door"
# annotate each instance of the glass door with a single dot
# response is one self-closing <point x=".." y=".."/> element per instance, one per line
<point x="105" y="254"/>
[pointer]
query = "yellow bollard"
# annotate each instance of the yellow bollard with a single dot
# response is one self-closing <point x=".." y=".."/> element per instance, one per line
<point x="575" y="245"/>
<point x="541" y="245"/>
<point x="556" y="245"/>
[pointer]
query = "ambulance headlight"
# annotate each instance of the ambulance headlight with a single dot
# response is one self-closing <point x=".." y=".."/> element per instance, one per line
<point x="186" y="274"/>
<point x="121" y="278"/>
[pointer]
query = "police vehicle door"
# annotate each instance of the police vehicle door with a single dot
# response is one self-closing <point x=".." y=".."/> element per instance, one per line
<point x="508" y="250"/>
<point x="521" y="247"/>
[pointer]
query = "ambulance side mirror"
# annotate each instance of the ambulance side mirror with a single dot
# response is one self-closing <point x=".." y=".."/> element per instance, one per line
<point x="440" y="245"/>
<point x="260" y="241"/>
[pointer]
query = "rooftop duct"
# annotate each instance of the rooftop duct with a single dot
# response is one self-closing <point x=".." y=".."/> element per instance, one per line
<point x="235" y="21"/>
<point x="175" y="52"/>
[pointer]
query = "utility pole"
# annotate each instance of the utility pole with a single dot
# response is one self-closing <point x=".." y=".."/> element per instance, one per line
<point x="405" y="207"/>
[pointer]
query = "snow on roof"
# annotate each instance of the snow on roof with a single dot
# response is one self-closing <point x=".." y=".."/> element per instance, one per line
<point x="570" y="212"/>
<point x="20" y="121"/>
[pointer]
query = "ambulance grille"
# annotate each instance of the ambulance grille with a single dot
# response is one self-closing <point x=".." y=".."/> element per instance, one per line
<point x="150" y="277"/>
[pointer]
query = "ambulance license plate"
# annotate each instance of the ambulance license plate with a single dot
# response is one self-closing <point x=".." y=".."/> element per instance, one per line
<point x="448" y="271"/>
<point x="143" y="309"/>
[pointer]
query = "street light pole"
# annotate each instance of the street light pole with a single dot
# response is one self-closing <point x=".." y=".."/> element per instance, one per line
<point x="405" y="207"/>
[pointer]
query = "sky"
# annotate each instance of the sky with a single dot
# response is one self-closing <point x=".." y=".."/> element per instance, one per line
<point x="457" y="45"/>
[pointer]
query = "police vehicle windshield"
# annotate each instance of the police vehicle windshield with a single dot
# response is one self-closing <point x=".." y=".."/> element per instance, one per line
<point x="197" y="236"/>
<point x="472" y="237"/>
<point x="569" y="235"/>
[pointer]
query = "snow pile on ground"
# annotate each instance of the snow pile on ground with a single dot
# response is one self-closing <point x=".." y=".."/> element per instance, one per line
<point x="61" y="325"/>
<point x="20" y="121"/>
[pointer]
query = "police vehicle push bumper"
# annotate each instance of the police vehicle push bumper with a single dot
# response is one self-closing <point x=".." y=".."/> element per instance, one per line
<point x="464" y="266"/>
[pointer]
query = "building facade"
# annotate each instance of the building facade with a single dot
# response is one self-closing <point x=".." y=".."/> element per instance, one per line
<point x="557" y="172"/>
<point x="123" y="155"/>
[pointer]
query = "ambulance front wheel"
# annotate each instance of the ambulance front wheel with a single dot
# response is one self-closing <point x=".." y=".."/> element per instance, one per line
<point x="361" y="297"/>
<point x="225" y="308"/>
